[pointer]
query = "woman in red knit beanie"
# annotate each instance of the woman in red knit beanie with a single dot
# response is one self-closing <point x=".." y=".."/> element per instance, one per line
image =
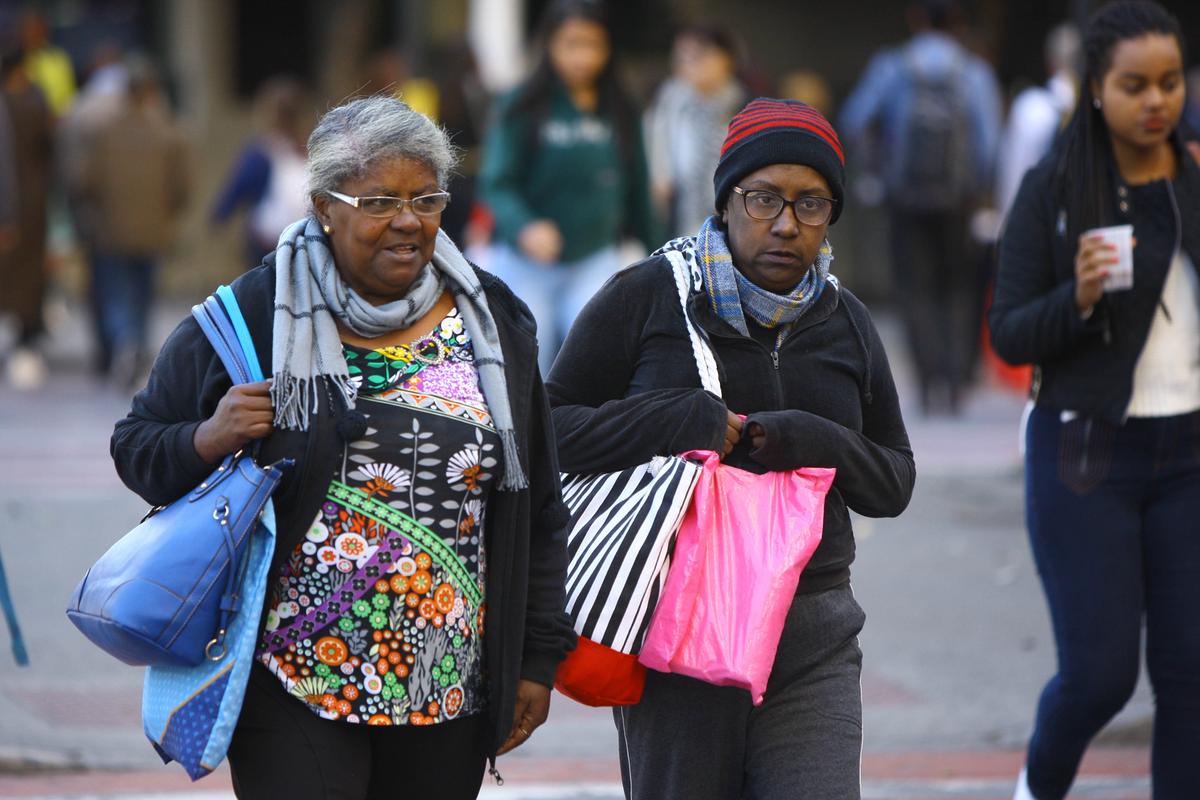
<point x="804" y="382"/>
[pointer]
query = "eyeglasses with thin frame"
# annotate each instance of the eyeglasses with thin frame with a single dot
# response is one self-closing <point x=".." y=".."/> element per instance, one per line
<point x="425" y="205"/>
<point x="764" y="205"/>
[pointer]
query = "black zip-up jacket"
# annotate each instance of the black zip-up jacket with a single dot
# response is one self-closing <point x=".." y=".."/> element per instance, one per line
<point x="527" y="631"/>
<point x="1087" y="365"/>
<point x="625" y="387"/>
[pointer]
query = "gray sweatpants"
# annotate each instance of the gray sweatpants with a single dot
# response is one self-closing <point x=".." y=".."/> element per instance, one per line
<point x="689" y="739"/>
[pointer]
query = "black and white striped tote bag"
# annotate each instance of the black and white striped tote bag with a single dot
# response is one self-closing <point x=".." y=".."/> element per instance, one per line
<point x="624" y="523"/>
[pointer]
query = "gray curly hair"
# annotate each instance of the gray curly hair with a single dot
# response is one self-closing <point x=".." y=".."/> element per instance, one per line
<point x="351" y="138"/>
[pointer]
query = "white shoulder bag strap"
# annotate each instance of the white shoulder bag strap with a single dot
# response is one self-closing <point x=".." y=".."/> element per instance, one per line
<point x="687" y="277"/>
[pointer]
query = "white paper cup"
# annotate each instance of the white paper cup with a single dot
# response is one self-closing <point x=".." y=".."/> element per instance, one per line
<point x="1120" y="275"/>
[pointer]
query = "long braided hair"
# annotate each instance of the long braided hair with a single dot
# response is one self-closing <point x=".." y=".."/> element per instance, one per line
<point x="1085" y="173"/>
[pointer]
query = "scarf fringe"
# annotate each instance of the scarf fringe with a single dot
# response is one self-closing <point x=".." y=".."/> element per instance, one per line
<point x="514" y="477"/>
<point x="291" y="396"/>
<point x="296" y="399"/>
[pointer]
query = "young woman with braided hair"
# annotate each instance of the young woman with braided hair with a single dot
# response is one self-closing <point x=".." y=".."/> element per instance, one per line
<point x="1113" y="439"/>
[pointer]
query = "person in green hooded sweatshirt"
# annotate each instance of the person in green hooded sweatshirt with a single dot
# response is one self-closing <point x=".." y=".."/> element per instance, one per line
<point x="564" y="173"/>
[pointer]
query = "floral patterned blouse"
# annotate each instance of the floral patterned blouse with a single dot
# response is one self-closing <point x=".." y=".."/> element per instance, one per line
<point x="377" y="617"/>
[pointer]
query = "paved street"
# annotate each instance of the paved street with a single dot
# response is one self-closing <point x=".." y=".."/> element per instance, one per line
<point x="957" y="642"/>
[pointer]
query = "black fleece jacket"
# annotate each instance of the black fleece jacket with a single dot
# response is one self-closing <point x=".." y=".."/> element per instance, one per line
<point x="625" y="387"/>
<point x="528" y="631"/>
<point x="1087" y="365"/>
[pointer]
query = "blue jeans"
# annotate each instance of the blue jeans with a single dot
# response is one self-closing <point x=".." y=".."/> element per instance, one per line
<point x="1114" y="521"/>
<point x="122" y="291"/>
<point x="554" y="292"/>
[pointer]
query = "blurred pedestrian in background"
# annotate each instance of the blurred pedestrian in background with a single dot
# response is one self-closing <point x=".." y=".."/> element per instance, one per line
<point x="1038" y="114"/>
<point x="1191" y="109"/>
<point x="1037" y="117"/>
<point x="394" y="659"/>
<point x="102" y="96"/>
<point x="133" y="183"/>
<point x="686" y="124"/>
<point x="8" y="182"/>
<point x="48" y="66"/>
<point x="807" y="86"/>
<point x="23" y="242"/>
<point x="800" y="357"/>
<point x="1112" y="447"/>
<point x="937" y="110"/>
<point x="462" y="109"/>
<point x="268" y="177"/>
<point x="564" y="172"/>
<point x="388" y="72"/>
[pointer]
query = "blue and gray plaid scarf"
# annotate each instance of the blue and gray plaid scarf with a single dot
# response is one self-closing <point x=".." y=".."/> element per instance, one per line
<point x="734" y="296"/>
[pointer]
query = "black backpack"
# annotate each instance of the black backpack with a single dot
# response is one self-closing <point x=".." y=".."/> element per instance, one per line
<point x="931" y="169"/>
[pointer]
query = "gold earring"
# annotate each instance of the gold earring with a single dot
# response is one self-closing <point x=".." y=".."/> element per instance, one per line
<point x="328" y="230"/>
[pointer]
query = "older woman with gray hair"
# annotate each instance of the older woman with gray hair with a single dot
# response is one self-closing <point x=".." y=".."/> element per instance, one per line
<point x="414" y="618"/>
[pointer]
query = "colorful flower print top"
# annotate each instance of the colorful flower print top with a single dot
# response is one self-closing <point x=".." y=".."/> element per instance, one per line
<point x="377" y="617"/>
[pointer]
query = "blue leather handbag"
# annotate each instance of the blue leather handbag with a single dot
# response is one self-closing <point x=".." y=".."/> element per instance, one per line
<point x="166" y="592"/>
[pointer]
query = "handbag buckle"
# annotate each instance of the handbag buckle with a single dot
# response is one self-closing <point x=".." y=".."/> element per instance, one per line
<point x="215" y="650"/>
<point x="221" y="512"/>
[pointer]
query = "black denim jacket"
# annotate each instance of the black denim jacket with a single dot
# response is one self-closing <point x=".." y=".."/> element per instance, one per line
<point x="1087" y="366"/>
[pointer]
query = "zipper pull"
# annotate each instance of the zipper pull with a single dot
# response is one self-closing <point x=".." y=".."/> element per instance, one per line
<point x="495" y="773"/>
<point x="775" y="358"/>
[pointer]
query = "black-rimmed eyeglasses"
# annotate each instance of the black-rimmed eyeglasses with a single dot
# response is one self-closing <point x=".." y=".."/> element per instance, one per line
<point x="764" y="205"/>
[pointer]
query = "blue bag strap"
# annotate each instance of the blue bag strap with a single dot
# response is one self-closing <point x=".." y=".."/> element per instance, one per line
<point x="223" y="324"/>
<point x="10" y="614"/>
<point x="223" y="340"/>
<point x="229" y="300"/>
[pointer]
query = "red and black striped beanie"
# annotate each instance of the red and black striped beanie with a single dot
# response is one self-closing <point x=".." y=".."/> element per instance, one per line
<point x="770" y="131"/>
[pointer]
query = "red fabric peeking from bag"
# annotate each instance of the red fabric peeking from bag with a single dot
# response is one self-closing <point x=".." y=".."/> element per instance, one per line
<point x="596" y="675"/>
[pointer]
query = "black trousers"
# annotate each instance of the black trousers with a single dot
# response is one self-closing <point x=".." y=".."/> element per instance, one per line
<point x="936" y="282"/>
<point x="282" y="749"/>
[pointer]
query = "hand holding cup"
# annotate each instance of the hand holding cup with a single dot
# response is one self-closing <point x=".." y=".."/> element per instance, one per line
<point x="1103" y="263"/>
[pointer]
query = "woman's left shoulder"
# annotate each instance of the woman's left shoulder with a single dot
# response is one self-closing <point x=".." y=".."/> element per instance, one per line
<point x="854" y="307"/>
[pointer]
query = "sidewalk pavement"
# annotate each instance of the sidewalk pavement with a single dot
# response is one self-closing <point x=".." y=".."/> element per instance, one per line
<point x="957" y="644"/>
<point x="1108" y="774"/>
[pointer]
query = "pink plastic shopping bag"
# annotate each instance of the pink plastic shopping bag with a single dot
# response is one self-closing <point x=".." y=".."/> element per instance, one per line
<point x="737" y="562"/>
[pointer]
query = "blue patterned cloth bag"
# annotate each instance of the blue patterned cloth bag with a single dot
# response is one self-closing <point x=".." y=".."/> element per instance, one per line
<point x="189" y="713"/>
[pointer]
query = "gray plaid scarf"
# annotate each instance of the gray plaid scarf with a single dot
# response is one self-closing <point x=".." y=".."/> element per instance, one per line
<point x="734" y="296"/>
<point x="310" y="293"/>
